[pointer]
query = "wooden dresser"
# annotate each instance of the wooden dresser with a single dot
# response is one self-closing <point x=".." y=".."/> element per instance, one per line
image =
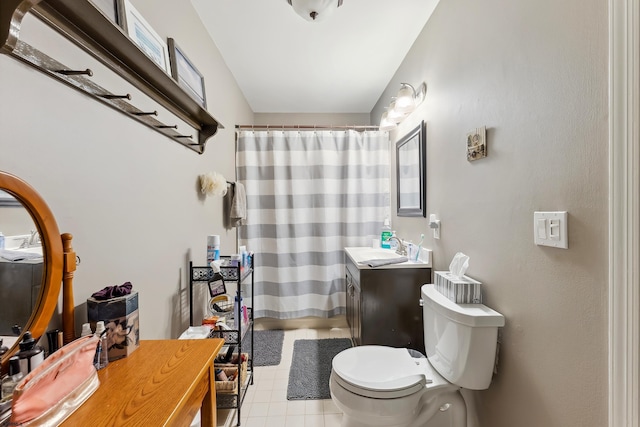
<point x="162" y="383"/>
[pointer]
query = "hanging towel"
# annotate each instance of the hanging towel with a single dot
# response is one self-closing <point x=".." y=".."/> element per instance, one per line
<point x="238" y="212"/>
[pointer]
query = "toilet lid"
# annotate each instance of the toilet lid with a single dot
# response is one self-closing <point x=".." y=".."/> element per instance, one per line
<point x="379" y="371"/>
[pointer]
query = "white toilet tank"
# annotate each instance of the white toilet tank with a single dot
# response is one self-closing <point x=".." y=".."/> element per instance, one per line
<point x="460" y="339"/>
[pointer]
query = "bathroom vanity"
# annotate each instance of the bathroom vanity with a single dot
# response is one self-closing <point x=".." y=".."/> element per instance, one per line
<point x="20" y="283"/>
<point x="383" y="303"/>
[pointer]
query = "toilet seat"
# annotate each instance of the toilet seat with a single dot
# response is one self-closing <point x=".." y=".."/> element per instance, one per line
<point x="382" y="372"/>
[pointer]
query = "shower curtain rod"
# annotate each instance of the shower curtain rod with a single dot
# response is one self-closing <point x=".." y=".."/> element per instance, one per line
<point x="305" y="127"/>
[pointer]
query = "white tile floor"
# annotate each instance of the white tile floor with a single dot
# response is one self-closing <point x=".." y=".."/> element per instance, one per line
<point x="266" y="403"/>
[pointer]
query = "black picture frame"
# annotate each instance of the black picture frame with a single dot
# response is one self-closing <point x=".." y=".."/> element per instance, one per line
<point x="411" y="182"/>
<point x="186" y="74"/>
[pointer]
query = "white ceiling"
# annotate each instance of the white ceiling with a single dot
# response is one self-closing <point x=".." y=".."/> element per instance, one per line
<point x="285" y="64"/>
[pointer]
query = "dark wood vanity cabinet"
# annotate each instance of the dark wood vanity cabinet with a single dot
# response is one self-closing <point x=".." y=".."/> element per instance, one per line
<point x="383" y="305"/>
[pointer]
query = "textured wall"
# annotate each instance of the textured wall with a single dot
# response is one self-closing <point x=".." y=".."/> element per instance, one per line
<point x="129" y="195"/>
<point x="535" y="73"/>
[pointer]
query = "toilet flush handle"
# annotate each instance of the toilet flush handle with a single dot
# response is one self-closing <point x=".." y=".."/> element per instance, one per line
<point x="421" y="302"/>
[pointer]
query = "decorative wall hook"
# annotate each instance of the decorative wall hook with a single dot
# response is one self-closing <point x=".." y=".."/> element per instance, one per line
<point x="86" y="72"/>
<point x="111" y="96"/>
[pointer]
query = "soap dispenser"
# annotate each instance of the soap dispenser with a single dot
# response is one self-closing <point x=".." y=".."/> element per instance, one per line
<point x="385" y="235"/>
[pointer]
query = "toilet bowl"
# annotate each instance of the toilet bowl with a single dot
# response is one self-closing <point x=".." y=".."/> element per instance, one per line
<point x="385" y="386"/>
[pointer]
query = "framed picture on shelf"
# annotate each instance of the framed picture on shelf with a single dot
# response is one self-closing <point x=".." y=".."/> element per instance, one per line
<point x="109" y="8"/>
<point x="186" y="74"/>
<point x="143" y="35"/>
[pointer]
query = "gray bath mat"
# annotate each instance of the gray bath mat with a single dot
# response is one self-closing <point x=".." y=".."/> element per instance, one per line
<point x="311" y="367"/>
<point x="267" y="347"/>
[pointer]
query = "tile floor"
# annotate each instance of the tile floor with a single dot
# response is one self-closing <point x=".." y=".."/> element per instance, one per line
<point x="266" y="403"/>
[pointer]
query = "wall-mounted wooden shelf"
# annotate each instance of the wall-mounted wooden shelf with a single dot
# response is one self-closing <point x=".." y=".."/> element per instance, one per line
<point x="83" y="24"/>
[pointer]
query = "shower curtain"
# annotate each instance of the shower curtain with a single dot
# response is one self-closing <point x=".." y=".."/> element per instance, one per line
<point x="309" y="195"/>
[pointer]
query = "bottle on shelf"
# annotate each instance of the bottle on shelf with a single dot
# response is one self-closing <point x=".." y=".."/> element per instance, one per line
<point x="243" y="257"/>
<point x="213" y="248"/>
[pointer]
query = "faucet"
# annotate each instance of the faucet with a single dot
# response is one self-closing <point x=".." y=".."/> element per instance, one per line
<point x="34" y="239"/>
<point x="402" y="249"/>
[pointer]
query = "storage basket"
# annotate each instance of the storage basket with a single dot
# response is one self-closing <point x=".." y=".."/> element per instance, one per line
<point x="228" y="387"/>
<point x="222" y="306"/>
<point x="233" y="363"/>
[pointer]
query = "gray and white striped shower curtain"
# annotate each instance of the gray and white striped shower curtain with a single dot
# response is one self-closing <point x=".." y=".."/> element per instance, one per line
<point x="309" y="195"/>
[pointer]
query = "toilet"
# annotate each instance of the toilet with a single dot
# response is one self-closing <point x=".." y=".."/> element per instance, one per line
<point x="385" y="386"/>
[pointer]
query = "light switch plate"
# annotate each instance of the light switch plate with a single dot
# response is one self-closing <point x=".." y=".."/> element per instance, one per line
<point x="550" y="229"/>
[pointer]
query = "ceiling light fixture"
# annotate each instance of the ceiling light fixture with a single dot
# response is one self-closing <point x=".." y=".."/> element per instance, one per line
<point x="407" y="99"/>
<point x="314" y="10"/>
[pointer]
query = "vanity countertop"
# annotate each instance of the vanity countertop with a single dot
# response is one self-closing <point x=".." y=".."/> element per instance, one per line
<point x="360" y="255"/>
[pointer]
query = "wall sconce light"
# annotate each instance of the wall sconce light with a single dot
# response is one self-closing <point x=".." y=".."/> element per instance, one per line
<point x="314" y="10"/>
<point x="407" y="99"/>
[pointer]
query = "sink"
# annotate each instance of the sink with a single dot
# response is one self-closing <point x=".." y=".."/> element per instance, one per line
<point x="33" y="250"/>
<point x="359" y="255"/>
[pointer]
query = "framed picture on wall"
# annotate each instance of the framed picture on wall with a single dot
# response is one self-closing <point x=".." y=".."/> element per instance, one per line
<point x="109" y="8"/>
<point x="186" y="74"/>
<point x="410" y="173"/>
<point x="143" y="35"/>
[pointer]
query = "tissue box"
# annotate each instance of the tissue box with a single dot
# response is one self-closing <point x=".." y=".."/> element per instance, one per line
<point x="120" y="316"/>
<point x="461" y="290"/>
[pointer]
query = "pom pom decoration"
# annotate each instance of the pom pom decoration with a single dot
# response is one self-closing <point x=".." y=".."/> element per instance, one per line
<point x="213" y="184"/>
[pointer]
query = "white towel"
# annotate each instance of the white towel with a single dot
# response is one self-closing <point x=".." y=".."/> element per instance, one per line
<point x="238" y="211"/>
<point x="18" y="255"/>
<point x="384" y="261"/>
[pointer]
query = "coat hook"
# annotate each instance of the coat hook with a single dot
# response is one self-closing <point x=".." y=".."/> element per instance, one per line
<point x="148" y="113"/>
<point x="167" y="126"/>
<point x="109" y="96"/>
<point x="87" y="72"/>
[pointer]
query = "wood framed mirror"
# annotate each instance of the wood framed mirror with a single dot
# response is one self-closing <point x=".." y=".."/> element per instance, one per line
<point x="58" y="264"/>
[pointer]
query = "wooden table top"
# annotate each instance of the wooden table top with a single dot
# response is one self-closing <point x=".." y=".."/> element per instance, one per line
<point x="161" y="383"/>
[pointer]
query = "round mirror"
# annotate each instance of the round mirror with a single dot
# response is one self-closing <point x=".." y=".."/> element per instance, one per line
<point x="48" y="270"/>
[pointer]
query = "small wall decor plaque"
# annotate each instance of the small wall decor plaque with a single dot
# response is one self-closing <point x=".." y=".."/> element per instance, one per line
<point x="477" y="144"/>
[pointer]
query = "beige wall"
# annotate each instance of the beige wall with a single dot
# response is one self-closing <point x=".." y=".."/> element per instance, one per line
<point x="534" y="73"/>
<point x="128" y="195"/>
